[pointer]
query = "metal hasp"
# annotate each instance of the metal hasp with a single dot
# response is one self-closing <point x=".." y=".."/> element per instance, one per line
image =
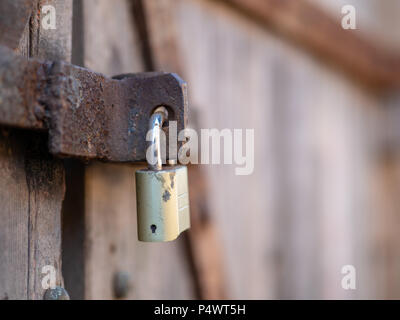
<point x="86" y="114"/>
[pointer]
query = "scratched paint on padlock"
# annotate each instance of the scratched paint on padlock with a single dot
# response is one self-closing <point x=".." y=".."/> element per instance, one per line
<point x="172" y="178"/>
<point x="163" y="204"/>
<point x="166" y="195"/>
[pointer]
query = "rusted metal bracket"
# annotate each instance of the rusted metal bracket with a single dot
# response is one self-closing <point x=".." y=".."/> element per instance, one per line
<point x="87" y="114"/>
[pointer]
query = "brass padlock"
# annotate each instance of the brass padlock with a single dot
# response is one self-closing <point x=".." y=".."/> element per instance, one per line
<point x="162" y="195"/>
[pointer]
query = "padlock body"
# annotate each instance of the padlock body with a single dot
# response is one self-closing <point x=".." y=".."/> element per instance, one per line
<point x="162" y="203"/>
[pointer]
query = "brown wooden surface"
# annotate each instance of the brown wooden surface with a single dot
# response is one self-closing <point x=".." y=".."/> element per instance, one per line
<point x="385" y="256"/>
<point x="52" y="44"/>
<point x="378" y="23"/>
<point x="205" y="251"/>
<point x="32" y="183"/>
<point x="324" y="190"/>
<point x="287" y="229"/>
<point x="322" y="194"/>
<point x="32" y="190"/>
<point x="307" y="25"/>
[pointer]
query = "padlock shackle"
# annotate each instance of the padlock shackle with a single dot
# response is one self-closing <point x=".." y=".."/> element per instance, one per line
<point x="157" y="119"/>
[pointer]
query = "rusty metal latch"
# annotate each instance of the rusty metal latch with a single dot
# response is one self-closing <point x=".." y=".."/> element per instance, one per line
<point x="87" y="114"/>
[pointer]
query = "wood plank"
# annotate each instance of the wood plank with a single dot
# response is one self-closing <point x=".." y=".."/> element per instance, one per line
<point x="14" y="213"/>
<point x="155" y="270"/>
<point x="52" y="44"/>
<point x="73" y="229"/>
<point x="323" y="195"/>
<point x="379" y="22"/>
<point x="205" y="250"/>
<point x="14" y="18"/>
<point x="103" y="50"/>
<point x="32" y="189"/>
<point x="384" y="253"/>
<point x="307" y="25"/>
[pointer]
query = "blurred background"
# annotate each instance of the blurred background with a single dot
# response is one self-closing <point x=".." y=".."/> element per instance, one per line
<point x="323" y="102"/>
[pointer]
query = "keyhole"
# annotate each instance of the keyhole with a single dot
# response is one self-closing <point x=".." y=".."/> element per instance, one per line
<point x="153" y="228"/>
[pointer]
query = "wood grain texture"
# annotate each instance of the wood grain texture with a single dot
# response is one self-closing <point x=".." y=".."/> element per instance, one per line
<point x="376" y="21"/>
<point x="45" y="182"/>
<point x="110" y="42"/>
<point x="32" y="191"/>
<point x="14" y="240"/>
<point x="384" y="253"/>
<point x="206" y="250"/>
<point x="52" y="44"/>
<point x="156" y="270"/>
<point x="322" y="35"/>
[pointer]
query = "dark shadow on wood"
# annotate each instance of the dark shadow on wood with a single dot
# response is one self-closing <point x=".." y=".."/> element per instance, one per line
<point x="73" y="229"/>
<point x="73" y="211"/>
<point x="142" y="31"/>
<point x="78" y="47"/>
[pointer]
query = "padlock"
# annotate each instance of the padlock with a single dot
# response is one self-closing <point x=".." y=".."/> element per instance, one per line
<point x="162" y="195"/>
